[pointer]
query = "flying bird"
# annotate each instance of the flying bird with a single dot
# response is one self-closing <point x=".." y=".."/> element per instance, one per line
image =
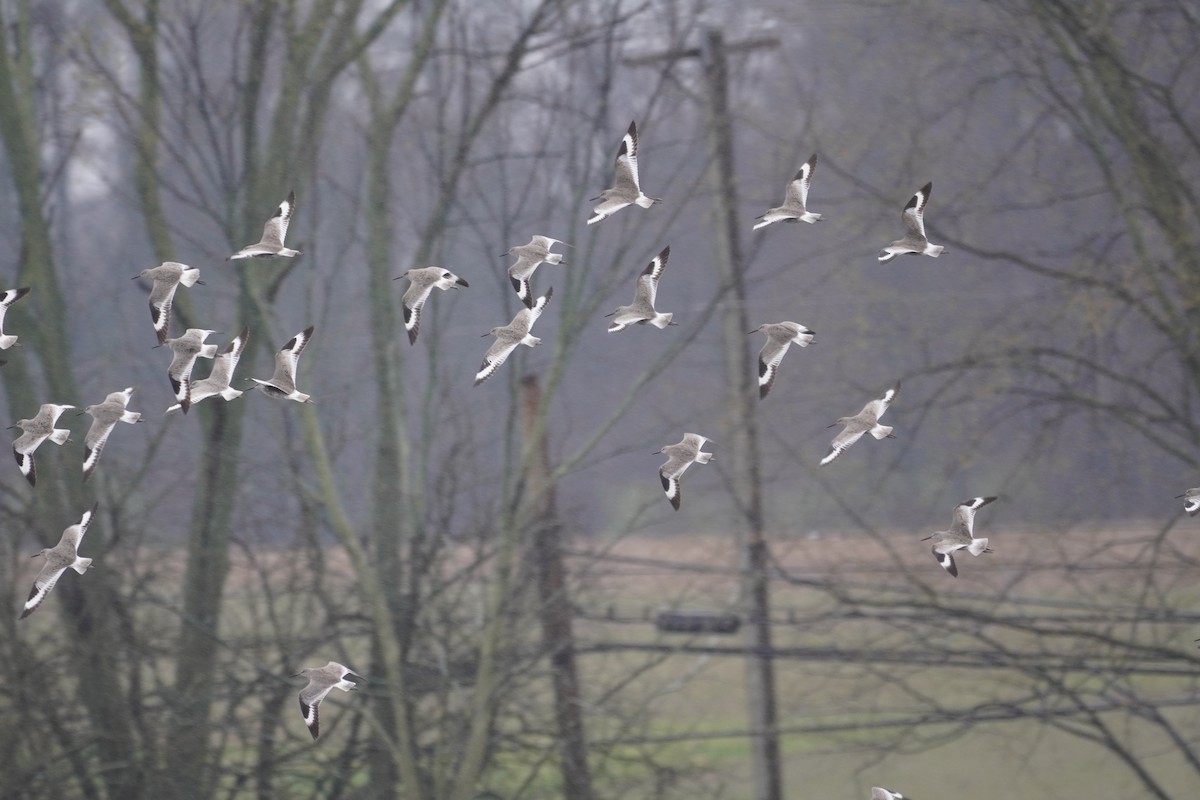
<point x="167" y="277"/>
<point x="217" y="382"/>
<point x="626" y="188"/>
<point x="914" y="241"/>
<point x="960" y="535"/>
<point x="679" y="457"/>
<point x="865" y="421"/>
<point x="422" y="281"/>
<point x="187" y="349"/>
<point x="105" y="417"/>
<point x="780" y="336"/>
<point x="529" y="257"/>
<point x="273" y="234"/>
<point x="794" y="208"/>
<point x="36" y="431"/>
<point x="510" y="335"/>
<point x="641" y="310"/>
<point x="9" y="297"/>
<point x="320" y="681"/>
<point x="58" y="558"/>
<point x="1191" y="503"/>
<point x="282" y="384"/>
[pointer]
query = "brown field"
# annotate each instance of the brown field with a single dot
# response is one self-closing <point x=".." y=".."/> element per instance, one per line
<point x="689" y="708"/>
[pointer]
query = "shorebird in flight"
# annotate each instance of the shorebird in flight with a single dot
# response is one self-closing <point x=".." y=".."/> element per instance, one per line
<point x="105" y="417"/>
<point x="282" y="384"/>
<point x="780" y="336"/>
<point x="680" y="456"/>
<point x="58" y="558"/>
<point x="627" y="187"/>
<point x="914" y="241"/>
<point x="865" y="421"/>
<point x="422" y="281"/>
<point x="529" y="257"/>
<point x="794" y="208"/>
<point x="1191" y="501"/>
<point x="167" y="277"/>
<point x="36" y="431"/>
<point x="642" y="310"/>
<point x="274" y="232"/>
<point x="9" y="297"/>
<point x="510" y="335"/>
<point x="320" y="681"/>
<point x="960" y="535"/>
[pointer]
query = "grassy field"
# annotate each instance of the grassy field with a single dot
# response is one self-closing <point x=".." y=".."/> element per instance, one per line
<point x="705" y="694"/>
<point x="673" y="724"/>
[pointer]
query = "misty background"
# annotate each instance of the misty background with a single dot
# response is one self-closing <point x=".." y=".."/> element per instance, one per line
<point x="1051" y="356"/>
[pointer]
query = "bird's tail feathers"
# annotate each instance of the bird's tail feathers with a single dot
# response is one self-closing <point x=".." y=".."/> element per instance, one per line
<point x="977" y="546"/>
<point x="881" y="431"/>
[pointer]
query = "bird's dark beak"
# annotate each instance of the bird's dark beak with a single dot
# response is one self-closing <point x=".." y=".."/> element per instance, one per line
<point x="611" y="314"/>
<point x="461" y="282"/>
<point x="834" y="425"/>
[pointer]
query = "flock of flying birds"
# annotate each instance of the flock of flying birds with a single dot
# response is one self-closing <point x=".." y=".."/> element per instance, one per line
<point x="626" y="190"/>
<point x="166" y="279"/>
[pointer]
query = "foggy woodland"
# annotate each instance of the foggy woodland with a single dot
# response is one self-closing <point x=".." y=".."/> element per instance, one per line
<point x="492" y="558"/>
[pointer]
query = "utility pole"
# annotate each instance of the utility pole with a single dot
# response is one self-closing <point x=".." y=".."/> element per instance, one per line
<point x="554" y="604"/>
<point x="741" y="380"/>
